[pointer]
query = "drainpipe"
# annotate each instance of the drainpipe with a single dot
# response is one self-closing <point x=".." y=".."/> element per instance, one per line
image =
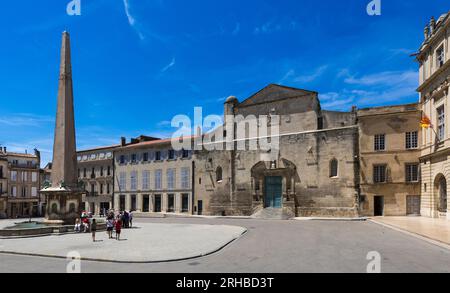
<point x="193" y="187"/>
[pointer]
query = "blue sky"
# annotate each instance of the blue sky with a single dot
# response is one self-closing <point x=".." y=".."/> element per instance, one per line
<point x="138" y="63"/>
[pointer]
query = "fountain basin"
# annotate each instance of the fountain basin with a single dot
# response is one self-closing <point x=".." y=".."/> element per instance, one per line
<point x="36" y="229"/>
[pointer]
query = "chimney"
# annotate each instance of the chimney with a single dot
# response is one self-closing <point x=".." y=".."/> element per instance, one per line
<point x="426" y="32"/>
<point x="432" y="25"/>
<point x="4" y="150"/>
<point x="123" y="141"/>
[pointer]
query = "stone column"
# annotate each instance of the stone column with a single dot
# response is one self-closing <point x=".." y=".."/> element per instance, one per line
<point x="139" y="202"/>
<point x="151" y="203"/>
<point x="178" y="201"/>
<point x="97" y="208"/>
<point x="164" y="203"/>
<point x="128" y="202"/>
<point x="261" y="190"/>
<point x="116" y="202"/>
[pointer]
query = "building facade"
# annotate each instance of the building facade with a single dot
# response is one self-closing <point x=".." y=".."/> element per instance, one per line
<point x="389" y="146"/>
<point x="313" y="172"/>
<point x="96" y="172"/>
<point x="151" y="177"/>
<point x="23" y="184"/>
<point x="434" y="80"/>
<point x="3" y="183"/>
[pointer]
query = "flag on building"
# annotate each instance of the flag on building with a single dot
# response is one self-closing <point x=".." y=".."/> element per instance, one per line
<point x="425" y="122"/>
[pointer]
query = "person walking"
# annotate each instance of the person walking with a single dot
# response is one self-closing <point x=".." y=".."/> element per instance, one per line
<point x="77" y="227"/>
<point x="130" y="219"/>
<point x="110" y="227"/>
<point x="118" y="229"/>
<point x="93" y="229"/>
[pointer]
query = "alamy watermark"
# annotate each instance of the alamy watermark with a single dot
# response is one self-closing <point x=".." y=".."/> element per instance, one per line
<point x="74" y="8"/>
<point x="74" y="265"/>
<point x="374" y="265"/>
<point x="233" y="132"/>
<point x="374" y="8"/>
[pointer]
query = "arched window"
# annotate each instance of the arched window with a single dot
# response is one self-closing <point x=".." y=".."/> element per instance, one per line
<point x="54" y="208"/>
<point x="443" y="195"/>
<point x="72" y="208"/>
<point x="334" y="168"/>
<point x="219" y="177"/>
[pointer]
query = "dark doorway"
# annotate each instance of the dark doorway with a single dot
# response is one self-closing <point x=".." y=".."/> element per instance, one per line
<point x="413" y="205"/>
<point x="273" y="192"/>
<point x="133" y="203"/>
<point x="185" y="203"/>
<point x="200" y="207"/>
<point x="171" y="203"/>
<point x="122" y="202"/>
<point x="104" y="208"/>
<point x="146" y="204"/>
<point x="378" y="206"/>
<point x="157" y="203"/>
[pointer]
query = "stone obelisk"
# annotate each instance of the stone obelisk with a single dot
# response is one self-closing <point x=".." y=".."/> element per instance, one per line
<point x="64" y="197"/>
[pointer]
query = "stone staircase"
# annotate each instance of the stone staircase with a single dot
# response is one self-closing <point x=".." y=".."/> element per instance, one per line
<point x="271" y="214"/>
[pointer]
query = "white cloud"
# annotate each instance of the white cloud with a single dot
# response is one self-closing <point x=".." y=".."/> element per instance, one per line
<point x="292" y="76"/>
<point x="313" y="76"/>
<point x="376" y="89"/>
<point x="132" y="19"/>
<point x="24" y="119"/>
<point x="337" y="101"/>
<point x="386" y="78"/>
<point x="170" y="65"/>
<point x="237" y="29"/>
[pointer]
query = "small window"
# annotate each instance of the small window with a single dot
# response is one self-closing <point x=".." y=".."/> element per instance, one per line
<point x="219" y="177"/>
<point x="121" y="160"/>
<point x="320" y="123"/>
<point x="158" y="156"/>
<point x="145" y="157"/>
<point x="133" y="158"/>
<point x="334" y="168"/>
<point x="440" y="57"/>
<point x="171" y="154"/>
<point x="380" y="142"/>
<point x="412" y="173"/>
<point x="441" y="123"/>
<point x="185" y="154"/>
<point x="379" y="174"/>
<point x="412" y="140"/>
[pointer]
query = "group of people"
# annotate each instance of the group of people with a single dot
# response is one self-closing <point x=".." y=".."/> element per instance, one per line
<point x="114" y="223"/>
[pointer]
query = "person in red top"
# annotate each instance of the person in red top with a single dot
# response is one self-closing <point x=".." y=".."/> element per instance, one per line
<point x="118" y="229"/>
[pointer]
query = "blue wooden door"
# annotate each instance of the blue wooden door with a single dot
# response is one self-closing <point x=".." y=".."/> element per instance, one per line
<point x="273" y="196"/>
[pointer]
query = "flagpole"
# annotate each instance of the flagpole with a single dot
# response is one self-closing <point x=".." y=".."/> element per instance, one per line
<point x="431" y="126"/>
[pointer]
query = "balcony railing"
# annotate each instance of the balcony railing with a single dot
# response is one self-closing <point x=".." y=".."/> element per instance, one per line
<point x="22" y="165"/>
<point x="92" y="194"/>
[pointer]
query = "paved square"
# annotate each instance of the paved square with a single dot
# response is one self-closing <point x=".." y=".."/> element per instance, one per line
<point x="274" y="247"/>
<point x="147" y="242"/>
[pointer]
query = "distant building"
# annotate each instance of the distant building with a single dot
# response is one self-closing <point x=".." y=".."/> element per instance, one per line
<point x="389" y="147"/>
<point x="20" y="183"/>
<point x="434" y="62"/>
<point x="152" y="177"/>
<point x="96" y="172"/>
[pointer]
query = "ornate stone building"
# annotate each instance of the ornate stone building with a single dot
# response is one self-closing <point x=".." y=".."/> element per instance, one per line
<point x="434" y="61"/>
<point x="3" y="183"/>
<point x="389" y="146"/>
<point x="22" y="185"/>
<point x="96" y="171"/>
<point x="314" y="172"/>
<point x="152" y="177"/>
